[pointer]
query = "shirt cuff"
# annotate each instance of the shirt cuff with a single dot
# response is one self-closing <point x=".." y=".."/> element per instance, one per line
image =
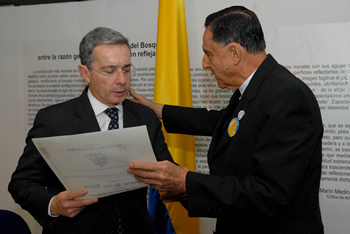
<point x="49" y="212"/>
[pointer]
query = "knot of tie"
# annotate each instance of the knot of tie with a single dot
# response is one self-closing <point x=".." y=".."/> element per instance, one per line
<point x="113" y="114"/>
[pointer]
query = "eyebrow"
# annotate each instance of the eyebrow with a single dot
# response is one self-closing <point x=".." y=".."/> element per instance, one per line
<point x="116" y="66"/>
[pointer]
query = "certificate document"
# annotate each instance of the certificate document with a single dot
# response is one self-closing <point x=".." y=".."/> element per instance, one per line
<point x="97" y="161"/>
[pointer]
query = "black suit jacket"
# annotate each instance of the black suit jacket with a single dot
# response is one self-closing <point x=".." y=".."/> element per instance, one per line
<point x="33" y="184"/>
<point x="266" y="178"/>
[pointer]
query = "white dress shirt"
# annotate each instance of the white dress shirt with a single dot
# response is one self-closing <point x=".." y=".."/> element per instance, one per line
<point x="245" y="84"/>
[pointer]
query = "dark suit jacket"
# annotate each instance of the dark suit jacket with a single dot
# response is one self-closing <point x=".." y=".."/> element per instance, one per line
<point x="266" y="178"/>
<point x="33" y="183"/>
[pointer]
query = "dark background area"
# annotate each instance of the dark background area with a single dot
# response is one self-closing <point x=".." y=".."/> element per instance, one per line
<point x="33" y="2"/>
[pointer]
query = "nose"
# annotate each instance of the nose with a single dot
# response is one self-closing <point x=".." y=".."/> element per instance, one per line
<point x="205" y="63"/>
<point x="121" y="78"/>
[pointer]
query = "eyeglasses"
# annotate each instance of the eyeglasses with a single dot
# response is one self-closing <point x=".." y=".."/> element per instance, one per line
<point x="111" y="72"/>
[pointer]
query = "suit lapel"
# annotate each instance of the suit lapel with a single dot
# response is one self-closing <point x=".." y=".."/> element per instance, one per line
<point x="220" y="129"/>
<point x="130" y="115"/>
<point x="87" y="120"/>
<point x="220" y="137"/>
<point x="225" y="137"/>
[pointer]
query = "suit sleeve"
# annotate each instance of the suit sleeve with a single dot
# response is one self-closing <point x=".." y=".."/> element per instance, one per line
<point x="160" y="148"/>
<point x="191" y="121"/>
<point x="29" y="185"/>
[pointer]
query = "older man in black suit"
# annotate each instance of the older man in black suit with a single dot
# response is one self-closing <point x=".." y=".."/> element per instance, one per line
<point x="106" y="67"/>
<point x="265" y="155"/>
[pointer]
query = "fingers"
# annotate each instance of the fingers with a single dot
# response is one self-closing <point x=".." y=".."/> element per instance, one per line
<point x="139" y="98"/>
<point x="163" y="176"/>
<point x="67" y="204"/>
<point x="147" y="166"/>
<point x="74" y="194"/>
<point x="133" y="94"/>
<point x="145" y="172"/>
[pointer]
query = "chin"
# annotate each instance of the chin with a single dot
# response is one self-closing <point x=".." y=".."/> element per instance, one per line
<point x="221" y="86"/>
<point x="118" y="100"/>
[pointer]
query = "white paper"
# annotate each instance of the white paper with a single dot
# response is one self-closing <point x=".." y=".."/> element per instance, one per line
<point x="97" y="161"/>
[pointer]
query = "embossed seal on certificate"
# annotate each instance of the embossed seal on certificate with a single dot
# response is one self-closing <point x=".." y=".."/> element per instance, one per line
<point x="233" y="127"/>
<point x="98" y="159"/>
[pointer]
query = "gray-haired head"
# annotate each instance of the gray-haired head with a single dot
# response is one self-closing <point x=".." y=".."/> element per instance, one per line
<point x="237" y="24"/>
<point x="96" y="37"/>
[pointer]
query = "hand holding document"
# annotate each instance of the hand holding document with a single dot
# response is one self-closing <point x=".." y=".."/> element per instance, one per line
<point x="97" y="161"/>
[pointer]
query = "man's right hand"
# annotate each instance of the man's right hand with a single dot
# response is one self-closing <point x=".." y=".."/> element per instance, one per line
<point x="158" y="108"/>
<point x="66" y="204"/>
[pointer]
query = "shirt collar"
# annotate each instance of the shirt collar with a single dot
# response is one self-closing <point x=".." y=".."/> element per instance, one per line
<point x="243" y="87"/>
<point x="98" y="106"/>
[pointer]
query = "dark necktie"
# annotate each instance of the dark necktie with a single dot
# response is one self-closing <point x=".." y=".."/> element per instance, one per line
<point x="232" y="106"/>
<point x="113" y="114"/>
<point x="235" y="97"/>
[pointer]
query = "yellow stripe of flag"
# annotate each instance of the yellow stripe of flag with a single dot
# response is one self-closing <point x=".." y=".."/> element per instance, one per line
<point x="172" y="86"/>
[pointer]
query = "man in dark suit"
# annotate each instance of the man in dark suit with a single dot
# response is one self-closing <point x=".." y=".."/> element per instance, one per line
<point x="265" y="154"/>
<point x="106" y="66"/>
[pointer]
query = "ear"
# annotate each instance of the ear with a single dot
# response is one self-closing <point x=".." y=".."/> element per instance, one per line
<point x="84" y="72"/>
<point x="236" y="52"/>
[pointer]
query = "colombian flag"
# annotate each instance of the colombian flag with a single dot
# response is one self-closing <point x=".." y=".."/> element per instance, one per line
<point x="172" y="85"/>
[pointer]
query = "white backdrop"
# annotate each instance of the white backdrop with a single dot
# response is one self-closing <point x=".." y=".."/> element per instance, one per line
<point x="307" y="37"/>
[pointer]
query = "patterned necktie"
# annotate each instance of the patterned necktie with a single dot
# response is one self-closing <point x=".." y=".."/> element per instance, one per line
<point x="113" y="114"/>
<point x="120" y="229"/>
